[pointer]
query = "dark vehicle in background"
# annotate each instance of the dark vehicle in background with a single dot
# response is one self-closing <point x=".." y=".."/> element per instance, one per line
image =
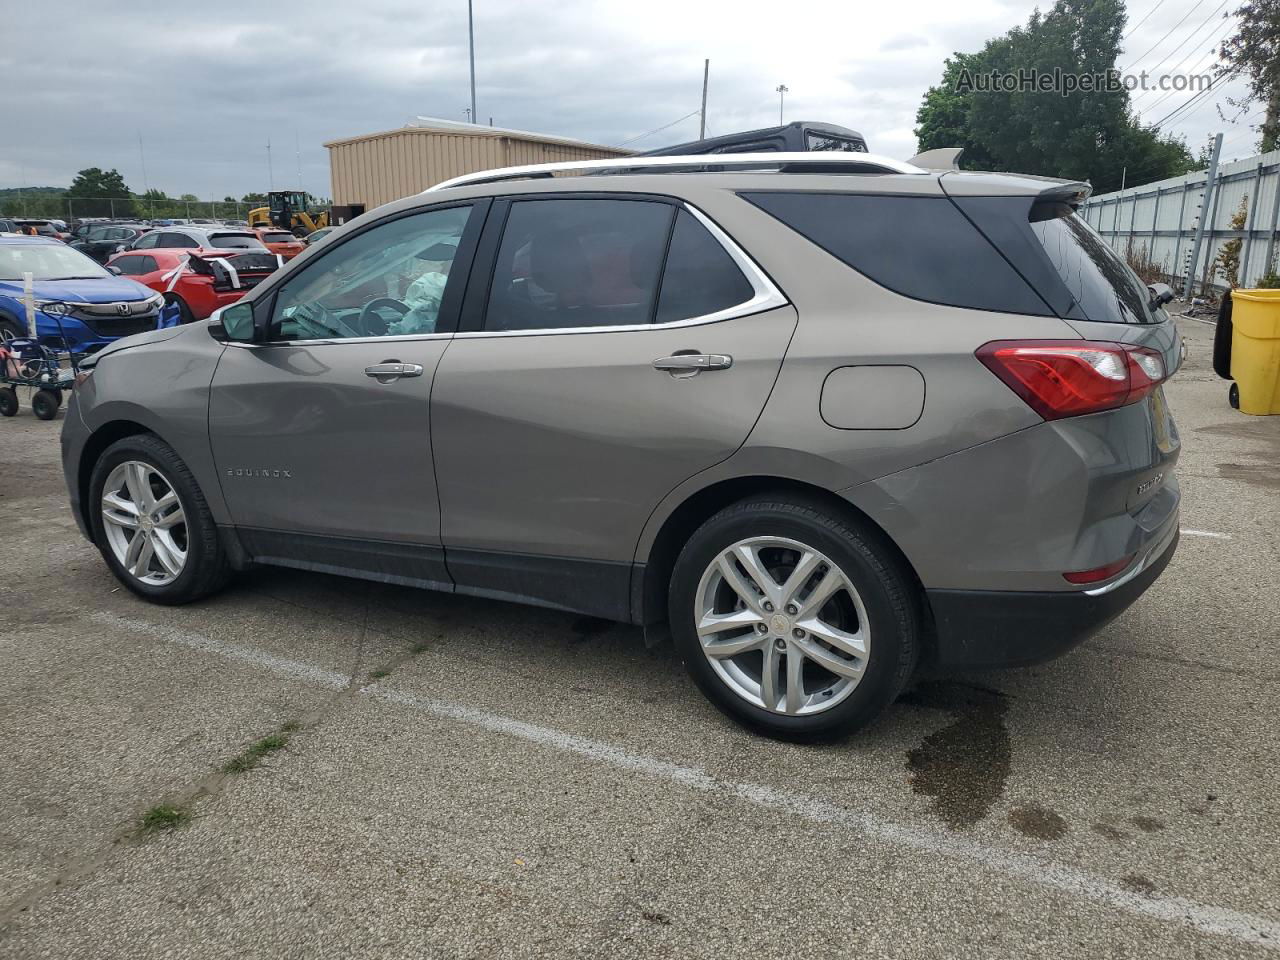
<point x="103" y="241"/>
<point x="197" y="238"/>
<point x="802" y="136"/>
<point x="7" y="226"/>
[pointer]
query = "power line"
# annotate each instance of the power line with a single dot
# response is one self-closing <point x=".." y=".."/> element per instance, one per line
<point x="1138" y="60"/>
<point x="659" y="129"/>
<point x="1189" y="36"/>
<point x="1201" y="97"/>
<point x="1159" y="4"/>
<point x="1204" y="58"/>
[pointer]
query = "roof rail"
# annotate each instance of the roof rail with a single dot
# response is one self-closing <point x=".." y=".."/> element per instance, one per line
<point x="782" y="162"/>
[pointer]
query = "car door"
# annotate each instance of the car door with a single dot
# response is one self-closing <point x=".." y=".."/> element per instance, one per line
<point x="321" y="433"/>
<point x="611" y="347"/>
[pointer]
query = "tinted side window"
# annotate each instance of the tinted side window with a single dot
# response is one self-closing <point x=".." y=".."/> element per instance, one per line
<point x="388" y="281"/>
<point x="920" y="247"/>
<point x="147" y="265"/>
<point x="129" y="266"/>
<point x="147" y="240"/>
<point x="700" y="277"/>
<point x="176" y="240"/>
<point x="578" y="263"/>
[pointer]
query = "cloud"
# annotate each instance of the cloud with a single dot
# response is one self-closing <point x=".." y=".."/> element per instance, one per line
<point x="206" y="92"/>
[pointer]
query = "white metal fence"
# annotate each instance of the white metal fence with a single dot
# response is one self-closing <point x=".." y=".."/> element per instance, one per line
<point x="1160" y="220"/>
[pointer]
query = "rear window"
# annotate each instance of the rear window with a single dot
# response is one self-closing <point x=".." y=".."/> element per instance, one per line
<point x="235" y="241"/>
<point x="278" y="238"/>
<point x="1096" y="276"/>
<point x="819" y="141"/>
<point x="920" y="247"/>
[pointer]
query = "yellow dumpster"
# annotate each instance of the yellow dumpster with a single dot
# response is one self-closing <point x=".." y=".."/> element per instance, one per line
<point x="1255" y="349"/>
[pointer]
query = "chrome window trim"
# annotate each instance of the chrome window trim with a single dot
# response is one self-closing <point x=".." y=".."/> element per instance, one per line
<point x="765" y="296"/>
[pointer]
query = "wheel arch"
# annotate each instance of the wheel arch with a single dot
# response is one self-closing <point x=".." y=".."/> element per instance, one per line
<point x="650" y="586"/>
<point x="96" y="444"/>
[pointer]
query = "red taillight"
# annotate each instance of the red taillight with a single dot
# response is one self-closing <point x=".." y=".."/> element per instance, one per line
<point x="1067" y="378"/>
<point x="1099" y="573"/>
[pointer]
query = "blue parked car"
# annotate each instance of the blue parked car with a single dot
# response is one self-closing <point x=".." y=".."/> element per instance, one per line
<point x="93" y="304"/>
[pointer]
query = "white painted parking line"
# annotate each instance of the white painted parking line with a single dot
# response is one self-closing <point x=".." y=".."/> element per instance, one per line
<point x="1206" y="918"/>
<point x="1205" y="533"/>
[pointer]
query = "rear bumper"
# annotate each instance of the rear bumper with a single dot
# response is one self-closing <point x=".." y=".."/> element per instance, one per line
<point x="983" y="629"/>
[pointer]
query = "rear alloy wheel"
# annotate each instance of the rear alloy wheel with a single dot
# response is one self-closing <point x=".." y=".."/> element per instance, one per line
<point x="796" y="623"/>
<point x="782" y="626"/>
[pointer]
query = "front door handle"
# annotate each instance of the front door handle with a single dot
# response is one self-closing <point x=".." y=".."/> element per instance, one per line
<point x="390" y="370"/>
<point x="691" y="363"/>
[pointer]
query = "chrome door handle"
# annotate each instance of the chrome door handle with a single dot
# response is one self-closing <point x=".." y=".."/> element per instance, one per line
<point x="694" y="362"/>
<point x="390" y="370"/>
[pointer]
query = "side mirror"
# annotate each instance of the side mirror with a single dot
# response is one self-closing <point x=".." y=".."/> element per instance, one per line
<point x="111" y="268"/>
<point x="1161" y="293"/>
<point x="236" y="321"/>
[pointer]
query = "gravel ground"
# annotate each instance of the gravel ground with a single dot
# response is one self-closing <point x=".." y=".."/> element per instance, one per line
<point x="452" y="777"/>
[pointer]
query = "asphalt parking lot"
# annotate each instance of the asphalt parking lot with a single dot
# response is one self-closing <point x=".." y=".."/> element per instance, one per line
<point x="306" y="766"/>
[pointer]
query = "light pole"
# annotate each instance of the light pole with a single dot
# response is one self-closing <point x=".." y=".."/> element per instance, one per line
<point x="783" y="90"/>
<point x="471" y="39"/>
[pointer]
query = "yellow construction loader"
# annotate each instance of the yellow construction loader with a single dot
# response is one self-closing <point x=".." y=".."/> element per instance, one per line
<point x="289" y="210"/>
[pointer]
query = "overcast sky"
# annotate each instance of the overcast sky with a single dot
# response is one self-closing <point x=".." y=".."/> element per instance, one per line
<point x="207" y="85"/>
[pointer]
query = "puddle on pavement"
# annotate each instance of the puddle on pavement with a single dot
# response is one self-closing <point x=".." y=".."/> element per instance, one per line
<point x="1038" y="823"/>
<point x="963" y="766"/>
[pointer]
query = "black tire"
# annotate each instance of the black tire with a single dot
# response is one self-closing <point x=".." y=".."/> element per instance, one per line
<point x="1222" y="340"/>
<point x="45" y="403"/>
<point x="888" y="592"/>
<point x="8" y="402"/>
<point x="11" y="329"/>
<point x="1233" y="396"/>
<point x="184" y="312"/>
<point x="207" y="568"/>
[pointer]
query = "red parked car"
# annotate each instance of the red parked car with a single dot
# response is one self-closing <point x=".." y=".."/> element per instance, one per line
<point x="198" y="281"/>
<point x="280" y="241"/>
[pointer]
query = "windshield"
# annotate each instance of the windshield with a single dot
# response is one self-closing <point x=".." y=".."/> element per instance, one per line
<point x="1096" y="276"/>
<point x="46" y="261"/>
<point x="235" y="241"/>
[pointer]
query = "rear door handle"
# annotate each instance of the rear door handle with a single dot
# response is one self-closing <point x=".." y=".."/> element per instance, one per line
<point x="390" y="370"/>
<point x="694" y="362"/>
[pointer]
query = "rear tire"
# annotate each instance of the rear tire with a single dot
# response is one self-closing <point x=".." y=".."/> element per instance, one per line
<point x="876" y="600"/>
<point x="184" y="312"/>
<point x="1233" y="396"/>
<point x="203" y="567"/>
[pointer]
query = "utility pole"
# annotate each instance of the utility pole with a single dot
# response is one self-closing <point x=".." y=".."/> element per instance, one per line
<point x="702" y="116"/>
<point x="142" y="154"/>
<point x="297" y="152"/>
<point x="271" y="172"/>
<point x="783" y="90"/>
<point x="1204" y="215"/>
<point x="471" y="38"/>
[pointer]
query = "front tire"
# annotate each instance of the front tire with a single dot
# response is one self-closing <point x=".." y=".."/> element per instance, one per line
<point x="152" y="524"/>
<point x="797" y="623"/>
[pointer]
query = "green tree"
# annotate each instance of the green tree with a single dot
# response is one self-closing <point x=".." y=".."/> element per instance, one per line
<point x="104" y="194"/>
<point x="1254" y="51"/>
<point x="255" y="199"/>
<point x="1087" y="134"/>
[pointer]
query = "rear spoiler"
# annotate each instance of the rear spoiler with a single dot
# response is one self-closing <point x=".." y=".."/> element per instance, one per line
<point x="1073" y="194"/>
<point x="230" y="272"/>
<point x="944" y="158"/>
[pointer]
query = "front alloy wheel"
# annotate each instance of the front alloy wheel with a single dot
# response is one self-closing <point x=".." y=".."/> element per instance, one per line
<point x="144" y="523"/>
<point x="782" y="626"/>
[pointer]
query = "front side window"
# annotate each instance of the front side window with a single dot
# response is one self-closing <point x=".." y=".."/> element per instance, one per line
<point x="147" y="241"/>
<point x="566" y="263"/>
<point x="388" y="281"/>
<point x="129" y="266"/>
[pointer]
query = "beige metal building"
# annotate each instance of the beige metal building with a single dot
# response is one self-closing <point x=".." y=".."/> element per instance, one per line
<point x="377" y="168"/>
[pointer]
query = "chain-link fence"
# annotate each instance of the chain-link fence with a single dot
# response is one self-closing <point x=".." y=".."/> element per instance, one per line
<point x="1155" y="224"/>
<point x="143" y="208"/>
